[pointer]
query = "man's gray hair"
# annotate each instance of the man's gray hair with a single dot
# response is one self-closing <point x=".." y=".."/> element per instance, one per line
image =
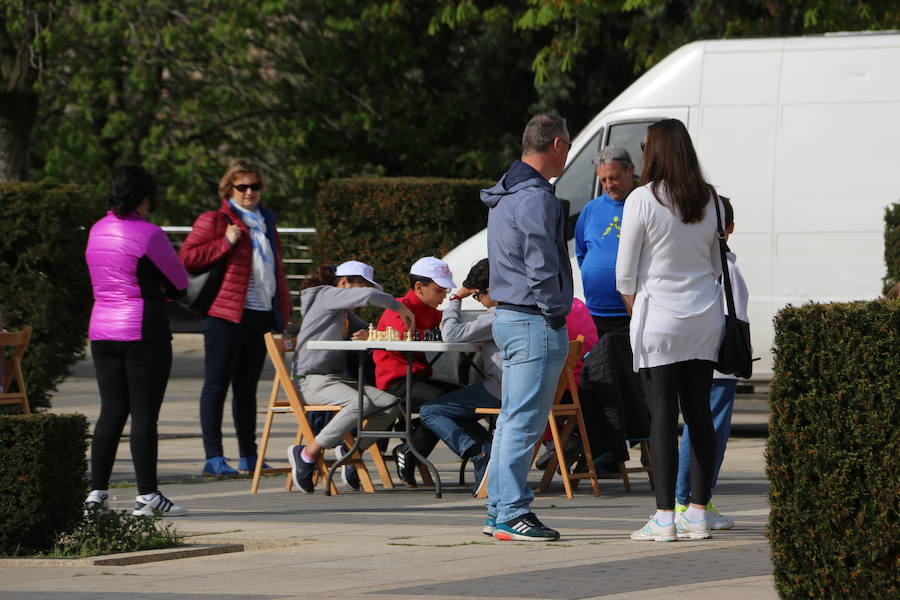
<point x="611" y="154"/>
<point x="540" y="132"/>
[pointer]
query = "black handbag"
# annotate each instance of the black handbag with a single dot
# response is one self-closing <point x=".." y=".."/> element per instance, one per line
<point x="735" y="354"/>
<point x="203" y="286"/>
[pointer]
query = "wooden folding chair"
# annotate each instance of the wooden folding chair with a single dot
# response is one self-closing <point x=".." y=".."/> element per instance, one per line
<point x="646" y="465"/>
<point x="571" y="417"/>
<point x="568" y="415"/>
<point x="296" y="405"/>
<point x="12" y="373"/>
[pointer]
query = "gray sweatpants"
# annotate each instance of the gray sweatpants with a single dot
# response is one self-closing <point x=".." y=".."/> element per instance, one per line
<point x="379" y="407"/>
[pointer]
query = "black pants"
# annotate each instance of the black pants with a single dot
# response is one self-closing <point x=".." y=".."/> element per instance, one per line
<point x="690" y="383"/>
<point x="132" y="379"/>
<point x="607" y="324"/>
<point x="235" y="355"/>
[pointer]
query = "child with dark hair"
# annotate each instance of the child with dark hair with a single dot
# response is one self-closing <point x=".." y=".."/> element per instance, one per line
<point x="721" y="400"/>
<point x="452" y="416"/>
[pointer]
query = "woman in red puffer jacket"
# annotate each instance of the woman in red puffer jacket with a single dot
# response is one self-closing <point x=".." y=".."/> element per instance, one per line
<point x="252" y="300"/>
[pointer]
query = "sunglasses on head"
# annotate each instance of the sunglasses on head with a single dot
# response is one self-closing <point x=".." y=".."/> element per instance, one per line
<point x="243" y="187"/>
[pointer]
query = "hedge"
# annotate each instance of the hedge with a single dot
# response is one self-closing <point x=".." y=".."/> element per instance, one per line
<point x="42" y="479"/>
<point x="43" y="277"/>
<point x="892" y="245"/>
<point x="391" y="222"/>
<point x="834" y="451"/>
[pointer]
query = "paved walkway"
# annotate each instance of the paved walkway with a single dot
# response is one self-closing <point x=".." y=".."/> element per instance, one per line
<point x="406" y="543"/>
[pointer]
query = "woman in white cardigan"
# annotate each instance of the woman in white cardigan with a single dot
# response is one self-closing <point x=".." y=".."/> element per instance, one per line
<point x="667" y="271"/>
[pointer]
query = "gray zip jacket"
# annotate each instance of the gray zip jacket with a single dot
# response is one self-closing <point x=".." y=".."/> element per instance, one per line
<point x="527" y="247"/>
<point x="477" y="332"/>
<point x="323" y="309"/>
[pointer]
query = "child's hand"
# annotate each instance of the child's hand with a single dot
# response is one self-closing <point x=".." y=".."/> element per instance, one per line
<point x="409" y="319"/>
<point x="360" y="336"/>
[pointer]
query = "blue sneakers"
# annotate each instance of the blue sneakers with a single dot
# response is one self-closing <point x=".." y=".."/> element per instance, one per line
<point x="301" y="471"/>
<point x="526" y="528"/>
<point x="490" y="524"/>
<point x="217" y="467"/>
<point x="348" y="472"/>
<point x="248" y="464"/>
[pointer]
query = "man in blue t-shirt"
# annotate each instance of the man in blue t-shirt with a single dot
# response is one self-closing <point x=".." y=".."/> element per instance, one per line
<point x="597" y="240"/>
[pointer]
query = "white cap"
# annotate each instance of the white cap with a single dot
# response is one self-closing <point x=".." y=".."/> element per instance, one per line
<point x="435" y="269"/>
<point x="354" y="267"/>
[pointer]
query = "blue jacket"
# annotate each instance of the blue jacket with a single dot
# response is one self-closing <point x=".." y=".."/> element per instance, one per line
<point x="596" y="248"/>
<point x="529" y="258"/>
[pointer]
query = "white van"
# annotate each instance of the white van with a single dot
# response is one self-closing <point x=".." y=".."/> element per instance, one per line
<point x="803" y="134"/>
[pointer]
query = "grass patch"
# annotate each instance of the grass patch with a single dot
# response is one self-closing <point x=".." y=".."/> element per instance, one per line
<point x="114" y="532"/>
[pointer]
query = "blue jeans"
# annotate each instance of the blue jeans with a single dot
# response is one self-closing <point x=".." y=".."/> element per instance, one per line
<point x="533" y="357"/>
<point x="721" y="403"/>
<point x="452" y="418"/>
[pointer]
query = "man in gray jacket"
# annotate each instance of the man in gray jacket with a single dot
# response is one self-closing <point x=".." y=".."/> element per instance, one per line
<point x="531" y="279"/>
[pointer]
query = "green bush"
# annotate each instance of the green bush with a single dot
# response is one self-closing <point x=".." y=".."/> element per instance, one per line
<point x="43" y="276"/>
<point x="115" y="531"/>
<point x="42" y="479"/>
<point x="892" y="245"/>
<point x="834" y="451"/>
<point x="391" y="222"/>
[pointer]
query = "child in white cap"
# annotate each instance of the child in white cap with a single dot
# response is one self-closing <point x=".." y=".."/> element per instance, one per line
<point x="326" y="304"/>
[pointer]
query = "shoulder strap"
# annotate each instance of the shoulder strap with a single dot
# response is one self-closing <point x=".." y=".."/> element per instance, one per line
<point x="729" y="294"/>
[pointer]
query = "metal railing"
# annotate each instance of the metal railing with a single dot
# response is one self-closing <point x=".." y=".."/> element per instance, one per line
<point x="295" y="254"/>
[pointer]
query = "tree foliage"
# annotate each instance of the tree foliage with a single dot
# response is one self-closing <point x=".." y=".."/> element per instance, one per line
<point x="333" y="88"/>
<point x="310" y="90"/>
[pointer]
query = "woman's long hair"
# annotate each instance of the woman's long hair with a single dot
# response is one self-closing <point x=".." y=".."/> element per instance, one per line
<point x="670" y="160"/>
<point x="129" y="186"/>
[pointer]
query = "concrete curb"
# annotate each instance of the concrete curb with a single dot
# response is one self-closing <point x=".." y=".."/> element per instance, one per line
<point x="128" y="558"/>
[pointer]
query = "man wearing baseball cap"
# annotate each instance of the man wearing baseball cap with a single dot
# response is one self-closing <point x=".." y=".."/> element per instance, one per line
<point x="429" y="280"/>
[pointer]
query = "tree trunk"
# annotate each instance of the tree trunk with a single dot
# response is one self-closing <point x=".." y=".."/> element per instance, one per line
<point x="18" y="111"/>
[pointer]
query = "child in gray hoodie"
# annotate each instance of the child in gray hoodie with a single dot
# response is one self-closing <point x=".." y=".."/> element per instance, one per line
<point x="326" y="307"/>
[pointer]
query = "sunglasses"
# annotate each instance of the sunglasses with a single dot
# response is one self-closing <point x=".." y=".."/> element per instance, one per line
<point x="243" y="187"/>
<point x="477" y="296"/>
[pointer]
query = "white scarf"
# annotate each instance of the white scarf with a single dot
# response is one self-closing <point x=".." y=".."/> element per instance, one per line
<point x="263" y="257"/>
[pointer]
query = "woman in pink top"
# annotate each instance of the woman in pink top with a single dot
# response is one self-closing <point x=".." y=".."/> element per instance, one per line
<point x="133" y="270"/>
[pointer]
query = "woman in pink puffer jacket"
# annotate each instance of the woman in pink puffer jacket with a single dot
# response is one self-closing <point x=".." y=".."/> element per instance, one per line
<point x="133" y="270"/>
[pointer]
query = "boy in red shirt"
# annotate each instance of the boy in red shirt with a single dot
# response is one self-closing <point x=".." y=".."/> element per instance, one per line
<point x="429" y="280"/>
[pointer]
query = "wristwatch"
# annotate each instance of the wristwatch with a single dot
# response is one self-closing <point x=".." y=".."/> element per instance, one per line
<point x="454" y="297"/>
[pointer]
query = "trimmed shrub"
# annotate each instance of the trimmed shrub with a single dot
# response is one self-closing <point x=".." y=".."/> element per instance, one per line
<point x="391" y="222"/>
<point x="834" y="451"/>
<point x="892" y="245"/>
<point x="42" y="479"/>
<point x="44" y="280"/>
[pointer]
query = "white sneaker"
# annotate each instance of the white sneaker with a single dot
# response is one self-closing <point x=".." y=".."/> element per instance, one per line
<point x="693" y="530"/>
<point x="97" y="500"/>
<point x="654" y="532"/>
<point x="156" y="505"/>
<point x="717" y="521"/>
